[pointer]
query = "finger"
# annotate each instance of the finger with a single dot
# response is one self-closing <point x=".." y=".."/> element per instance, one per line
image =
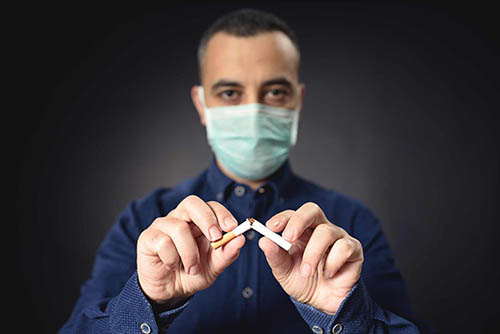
<point x="321" y="239"/>
<point x="344" y="250"/>
<point x="278" y="222"/>
<point x="308" y="215"/>
<point x="194" y="209"/>
<point x="154" y="243"/>
<point x="223" y="256"/>
<point x="277" y="258"/>
<point x="224" y="217"/>
<point x="195" y="231"/>
<point x="180" y="233"/>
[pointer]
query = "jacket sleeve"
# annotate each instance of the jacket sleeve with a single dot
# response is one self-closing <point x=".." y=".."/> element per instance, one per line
<point x="378" y="302"/>
<point x="112" y="301"/>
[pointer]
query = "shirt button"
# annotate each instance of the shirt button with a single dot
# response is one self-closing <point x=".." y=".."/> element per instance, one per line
<point x="247" y="293"/>
<point x="250" y="235"/>
<point x="145" y="328"/>
<point x="317" y="329"/>
<point x="239" y="191"/>
<point x="261" y="190"/>
<point x="337" y="328"/>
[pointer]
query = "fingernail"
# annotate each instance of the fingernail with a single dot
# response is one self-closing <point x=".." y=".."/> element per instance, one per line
<point x="230" y="222"/>
<point x="277" y="223"/>
<point x="214" y="233"/>
<point x="306" y="270"/>
<point x="194" y="269"/>
<point x="288" y="234"/>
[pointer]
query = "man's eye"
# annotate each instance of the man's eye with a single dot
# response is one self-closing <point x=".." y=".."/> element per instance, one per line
<point x="276" y="93"/>
<point x="229" y="94"/>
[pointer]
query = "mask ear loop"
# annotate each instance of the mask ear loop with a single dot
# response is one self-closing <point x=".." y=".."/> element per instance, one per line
<point x="201" y="95"/>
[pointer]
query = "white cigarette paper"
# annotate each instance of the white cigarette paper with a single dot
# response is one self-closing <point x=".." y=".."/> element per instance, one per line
<point x="270" y="234"/>
<point x="242" y="228"/>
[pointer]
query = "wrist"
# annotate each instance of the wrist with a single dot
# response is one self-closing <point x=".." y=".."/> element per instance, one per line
<point x="159" y="301"/>
<point x="329" y="312"/>
<point x="328" y="304"/>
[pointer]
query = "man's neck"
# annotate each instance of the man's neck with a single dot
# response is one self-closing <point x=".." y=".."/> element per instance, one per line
<point x="253" y="184"/>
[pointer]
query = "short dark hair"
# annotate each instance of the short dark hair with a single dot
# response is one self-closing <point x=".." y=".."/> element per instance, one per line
<point x="245" y="23"/>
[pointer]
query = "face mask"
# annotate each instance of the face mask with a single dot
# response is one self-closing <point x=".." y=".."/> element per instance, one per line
<point x="252" y="140"/>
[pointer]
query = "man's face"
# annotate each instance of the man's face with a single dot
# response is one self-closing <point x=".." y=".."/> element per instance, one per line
<point x="258" y="69"/>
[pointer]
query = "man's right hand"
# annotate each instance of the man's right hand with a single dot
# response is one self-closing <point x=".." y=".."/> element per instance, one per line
<point x="174" y="256"/>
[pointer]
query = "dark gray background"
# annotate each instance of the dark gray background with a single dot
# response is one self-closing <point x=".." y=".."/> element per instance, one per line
<point x="400" y="112"/>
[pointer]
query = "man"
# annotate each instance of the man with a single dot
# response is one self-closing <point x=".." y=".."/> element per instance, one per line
<point x="156" y="271"/>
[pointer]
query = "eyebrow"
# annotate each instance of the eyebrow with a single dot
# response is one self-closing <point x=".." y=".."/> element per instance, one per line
<point x="231" y="83"/>
<point x="226" y="83"/>
<point x="278" y="81"/>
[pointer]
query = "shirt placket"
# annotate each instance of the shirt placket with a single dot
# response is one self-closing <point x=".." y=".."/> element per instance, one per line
<point x="244" y="203"/>
<point x="241" y="205"/>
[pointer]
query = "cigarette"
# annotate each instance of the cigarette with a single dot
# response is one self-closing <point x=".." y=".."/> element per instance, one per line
<point x="251" y="223"/>
<point x="259" y="227"/>
<point x="242" y="228"/>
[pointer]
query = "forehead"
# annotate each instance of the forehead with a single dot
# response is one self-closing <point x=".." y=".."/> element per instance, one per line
<point x="250" y="58"/>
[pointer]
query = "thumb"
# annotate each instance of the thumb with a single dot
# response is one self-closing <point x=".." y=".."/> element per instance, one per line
<point x="277" y="258"/>
<point x="223" y="256"/>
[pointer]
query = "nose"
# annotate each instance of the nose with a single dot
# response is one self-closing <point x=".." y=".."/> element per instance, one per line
<point x="251" y="95"/>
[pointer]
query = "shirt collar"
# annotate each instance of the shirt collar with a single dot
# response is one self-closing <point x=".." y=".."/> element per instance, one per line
<point x="222" y="184"/>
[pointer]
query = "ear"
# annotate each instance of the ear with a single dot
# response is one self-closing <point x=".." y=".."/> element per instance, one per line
<point x="302" y="90"/>
<point x="197" y="104"/>
<point x="302" y="87"/>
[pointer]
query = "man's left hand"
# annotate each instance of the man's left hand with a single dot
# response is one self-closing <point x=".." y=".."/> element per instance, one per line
<point x="324" y="262"/>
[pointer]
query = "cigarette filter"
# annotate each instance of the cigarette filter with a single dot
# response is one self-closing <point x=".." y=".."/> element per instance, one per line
<point x="242" y="228"/>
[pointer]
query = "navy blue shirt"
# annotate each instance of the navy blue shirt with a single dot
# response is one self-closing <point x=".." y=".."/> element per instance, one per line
<point x="245" y="298"/>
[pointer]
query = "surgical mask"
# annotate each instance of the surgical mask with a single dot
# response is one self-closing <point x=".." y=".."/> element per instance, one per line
<point x="252" y="140"/>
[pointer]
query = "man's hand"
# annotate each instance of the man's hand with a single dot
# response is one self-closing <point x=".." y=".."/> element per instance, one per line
<point x="174" y="257"/>
<point x="324" y="262"/>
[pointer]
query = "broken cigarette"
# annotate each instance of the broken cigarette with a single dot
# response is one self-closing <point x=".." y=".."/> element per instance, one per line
<point x="256" y="225"/>
<point x="262" y="229"/>
<point x="242" y="228"/>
